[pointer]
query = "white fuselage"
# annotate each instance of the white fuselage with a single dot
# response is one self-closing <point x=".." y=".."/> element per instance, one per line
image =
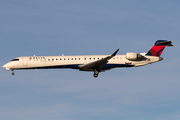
<point x="96" y="63"/>
<point x="56" y="62"/>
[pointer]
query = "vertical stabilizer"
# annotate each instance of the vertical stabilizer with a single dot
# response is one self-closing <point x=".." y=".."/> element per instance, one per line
<point x="158" y="48"/>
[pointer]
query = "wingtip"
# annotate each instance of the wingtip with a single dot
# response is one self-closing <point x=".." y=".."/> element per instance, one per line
<point x="115" y="52"/>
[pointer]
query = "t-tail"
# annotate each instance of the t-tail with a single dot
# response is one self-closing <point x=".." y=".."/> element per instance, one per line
<point x="158" y="48"/>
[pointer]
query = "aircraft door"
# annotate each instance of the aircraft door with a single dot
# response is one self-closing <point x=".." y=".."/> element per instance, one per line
<point x="24" y="61"/>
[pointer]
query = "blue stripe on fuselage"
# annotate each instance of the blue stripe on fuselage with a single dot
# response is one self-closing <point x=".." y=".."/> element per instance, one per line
<point x="109" y="66"/>
<point x="76" y="66"/>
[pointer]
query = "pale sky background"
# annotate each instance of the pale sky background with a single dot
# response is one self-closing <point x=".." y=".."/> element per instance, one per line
<point x="88" y="27"/>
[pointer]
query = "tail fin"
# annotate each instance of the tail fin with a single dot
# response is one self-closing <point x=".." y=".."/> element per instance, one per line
<point x="158" y="48"/>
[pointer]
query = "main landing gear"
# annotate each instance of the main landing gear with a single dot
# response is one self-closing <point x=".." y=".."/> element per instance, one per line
<point x="96" y="72"/>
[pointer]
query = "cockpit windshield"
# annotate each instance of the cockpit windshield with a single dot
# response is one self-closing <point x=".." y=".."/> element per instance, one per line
<point x="15" y="60"/>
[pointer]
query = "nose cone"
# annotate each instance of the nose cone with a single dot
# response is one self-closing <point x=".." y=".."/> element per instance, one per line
<point x="4" y="66"/>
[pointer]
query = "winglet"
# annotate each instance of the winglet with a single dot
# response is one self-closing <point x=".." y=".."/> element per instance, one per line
<point x="114" y="54"/>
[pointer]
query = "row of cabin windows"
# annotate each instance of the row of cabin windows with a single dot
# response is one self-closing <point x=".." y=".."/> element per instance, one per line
<point x="57" y="59"/>
<point x="73" y="59"/>
<point x="65" y="59"/>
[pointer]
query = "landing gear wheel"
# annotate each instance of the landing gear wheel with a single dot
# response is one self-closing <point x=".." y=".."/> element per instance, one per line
<point x="13" y="73"/>
<point x="96" y="73"/>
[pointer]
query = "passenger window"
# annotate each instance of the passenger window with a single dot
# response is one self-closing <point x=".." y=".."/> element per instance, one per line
<point x="79" y="58"/>
<point x="71" y="58"/>
<point x="64" y="58"/>
<point x="75" y="58"/>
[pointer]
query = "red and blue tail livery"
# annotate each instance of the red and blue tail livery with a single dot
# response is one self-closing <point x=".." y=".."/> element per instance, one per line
<point x="158" y="48"/>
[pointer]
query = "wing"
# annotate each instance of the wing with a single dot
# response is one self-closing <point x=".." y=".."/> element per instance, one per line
<point x="97" y="64"/>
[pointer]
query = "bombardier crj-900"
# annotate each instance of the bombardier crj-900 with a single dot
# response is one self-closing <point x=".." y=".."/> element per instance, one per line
<point x="95" y="63"/>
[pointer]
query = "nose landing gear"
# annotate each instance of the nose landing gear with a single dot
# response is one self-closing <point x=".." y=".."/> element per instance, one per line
<point x="13" y="72"/>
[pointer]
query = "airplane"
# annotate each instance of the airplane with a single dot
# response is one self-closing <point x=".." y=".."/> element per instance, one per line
<point x="95" y="63"/>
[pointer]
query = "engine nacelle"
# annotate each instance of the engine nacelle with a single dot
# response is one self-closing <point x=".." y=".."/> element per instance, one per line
<point x="133" y="56"/>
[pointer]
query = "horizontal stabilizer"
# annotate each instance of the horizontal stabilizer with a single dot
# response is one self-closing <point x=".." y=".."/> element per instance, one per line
<point x="164" y="42"/>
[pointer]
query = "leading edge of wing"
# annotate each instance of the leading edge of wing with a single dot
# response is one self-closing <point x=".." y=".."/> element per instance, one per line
<point x="97" y="64"/>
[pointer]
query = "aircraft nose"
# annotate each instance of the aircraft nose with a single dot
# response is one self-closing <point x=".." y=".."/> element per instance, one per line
<point x="4" y="66"/>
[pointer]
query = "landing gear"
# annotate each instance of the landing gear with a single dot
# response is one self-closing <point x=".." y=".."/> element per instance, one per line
<point x="96" y="72"/>
<point x="13" y="72"/>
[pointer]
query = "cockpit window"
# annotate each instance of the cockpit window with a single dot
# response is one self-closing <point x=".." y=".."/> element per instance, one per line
<point x="15" y="60"/>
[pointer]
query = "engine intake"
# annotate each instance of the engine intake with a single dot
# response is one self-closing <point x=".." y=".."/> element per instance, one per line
<point x="133" y="56"/>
